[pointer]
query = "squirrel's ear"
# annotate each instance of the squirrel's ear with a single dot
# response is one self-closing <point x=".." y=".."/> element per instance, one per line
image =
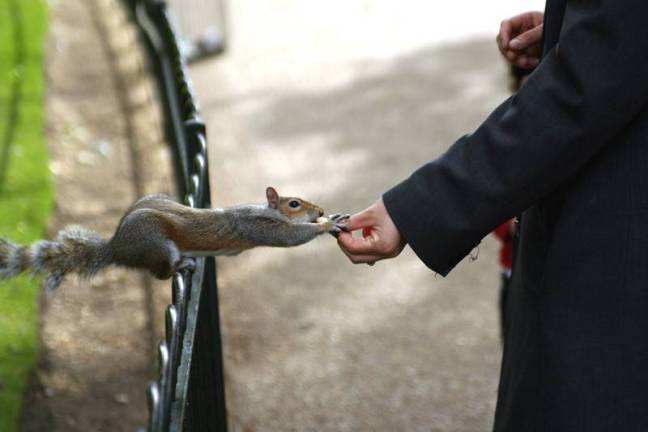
<point x="273" y="197"/>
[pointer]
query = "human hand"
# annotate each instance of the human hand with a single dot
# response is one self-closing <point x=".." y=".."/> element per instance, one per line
<point x="519" y="39"/>
<point x="380" y="237"/>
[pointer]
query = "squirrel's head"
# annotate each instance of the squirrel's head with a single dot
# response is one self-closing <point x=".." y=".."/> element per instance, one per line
<point x="294" y="209"/>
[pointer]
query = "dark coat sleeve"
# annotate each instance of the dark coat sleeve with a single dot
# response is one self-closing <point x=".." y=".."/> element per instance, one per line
<point x="587" y="89"/>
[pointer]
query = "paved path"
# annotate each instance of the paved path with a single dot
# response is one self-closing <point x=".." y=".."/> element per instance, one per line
<point x="98" y="337"/>
<point x="337" y="101"/>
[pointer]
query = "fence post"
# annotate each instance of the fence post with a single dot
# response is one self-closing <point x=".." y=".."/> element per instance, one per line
<point x="206" y="396"/>
<point x="190" y="392"/>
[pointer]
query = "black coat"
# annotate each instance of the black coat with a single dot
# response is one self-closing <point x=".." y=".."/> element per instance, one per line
<point x="570" y="152"/>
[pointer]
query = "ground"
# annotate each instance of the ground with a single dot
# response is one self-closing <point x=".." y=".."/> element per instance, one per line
<point x="97" y="351"/>
<point x="337" y="102"/>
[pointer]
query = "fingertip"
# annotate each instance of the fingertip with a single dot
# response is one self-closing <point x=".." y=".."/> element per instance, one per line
<point x="505" y="30"/>
<point x="352" y="224"/>
<point x="344" y="238"/>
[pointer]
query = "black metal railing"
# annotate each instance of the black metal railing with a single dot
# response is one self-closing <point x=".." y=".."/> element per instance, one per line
<point x="189" y="394"/>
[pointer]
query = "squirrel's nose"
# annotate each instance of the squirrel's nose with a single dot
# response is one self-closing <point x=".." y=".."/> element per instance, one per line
<point x="321" y="212"/>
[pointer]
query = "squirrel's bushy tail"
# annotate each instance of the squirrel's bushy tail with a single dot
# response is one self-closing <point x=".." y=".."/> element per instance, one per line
<point x="75" y="250"/>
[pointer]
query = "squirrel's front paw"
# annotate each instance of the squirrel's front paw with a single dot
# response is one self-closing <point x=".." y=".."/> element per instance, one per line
<point x="341" y="221"/>
<point x="335" y="223"/>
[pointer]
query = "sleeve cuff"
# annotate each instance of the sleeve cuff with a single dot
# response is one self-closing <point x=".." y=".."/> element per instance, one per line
<point x="420" y="222"/>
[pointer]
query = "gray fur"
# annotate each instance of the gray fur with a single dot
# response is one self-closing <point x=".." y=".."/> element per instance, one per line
<point x="263" y="226"/>
<point x="141" y="241"/>
<point x="75" y="250"/>
<point x="10" y="259"/>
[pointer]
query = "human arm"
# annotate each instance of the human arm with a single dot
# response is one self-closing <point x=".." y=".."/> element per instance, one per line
<point x="586" y="90"/>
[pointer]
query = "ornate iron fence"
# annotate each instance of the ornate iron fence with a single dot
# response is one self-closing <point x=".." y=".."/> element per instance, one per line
<point x="189" y="394"/>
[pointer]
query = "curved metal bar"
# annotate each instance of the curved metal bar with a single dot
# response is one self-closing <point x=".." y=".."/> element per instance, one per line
<point x="189" y="394"/>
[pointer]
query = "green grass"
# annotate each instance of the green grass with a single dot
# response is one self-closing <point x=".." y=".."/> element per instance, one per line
<point x="26" y="195"/>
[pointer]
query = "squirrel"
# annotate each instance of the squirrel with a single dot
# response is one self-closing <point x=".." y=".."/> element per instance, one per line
<point x="162" y="236"/>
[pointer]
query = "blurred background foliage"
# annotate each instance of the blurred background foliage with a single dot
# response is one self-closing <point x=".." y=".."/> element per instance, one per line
<point x="26" y="190"/>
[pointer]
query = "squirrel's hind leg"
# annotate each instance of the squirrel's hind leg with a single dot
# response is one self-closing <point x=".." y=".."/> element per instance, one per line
<point x="165" y="262"/>
<point x="170" y="261"/>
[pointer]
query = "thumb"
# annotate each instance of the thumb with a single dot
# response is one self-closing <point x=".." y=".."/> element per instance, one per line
<point x="360" y="220"/>
<point x="526" y="39"/>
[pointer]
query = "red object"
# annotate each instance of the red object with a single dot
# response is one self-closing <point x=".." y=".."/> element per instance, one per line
<point x="505" y="233"/>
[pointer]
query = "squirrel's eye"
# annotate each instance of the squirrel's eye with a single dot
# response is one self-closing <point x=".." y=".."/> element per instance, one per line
<point x="293" y="204"/>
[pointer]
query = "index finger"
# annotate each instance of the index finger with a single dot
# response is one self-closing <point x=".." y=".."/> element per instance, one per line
<point x="504" y="35"/>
